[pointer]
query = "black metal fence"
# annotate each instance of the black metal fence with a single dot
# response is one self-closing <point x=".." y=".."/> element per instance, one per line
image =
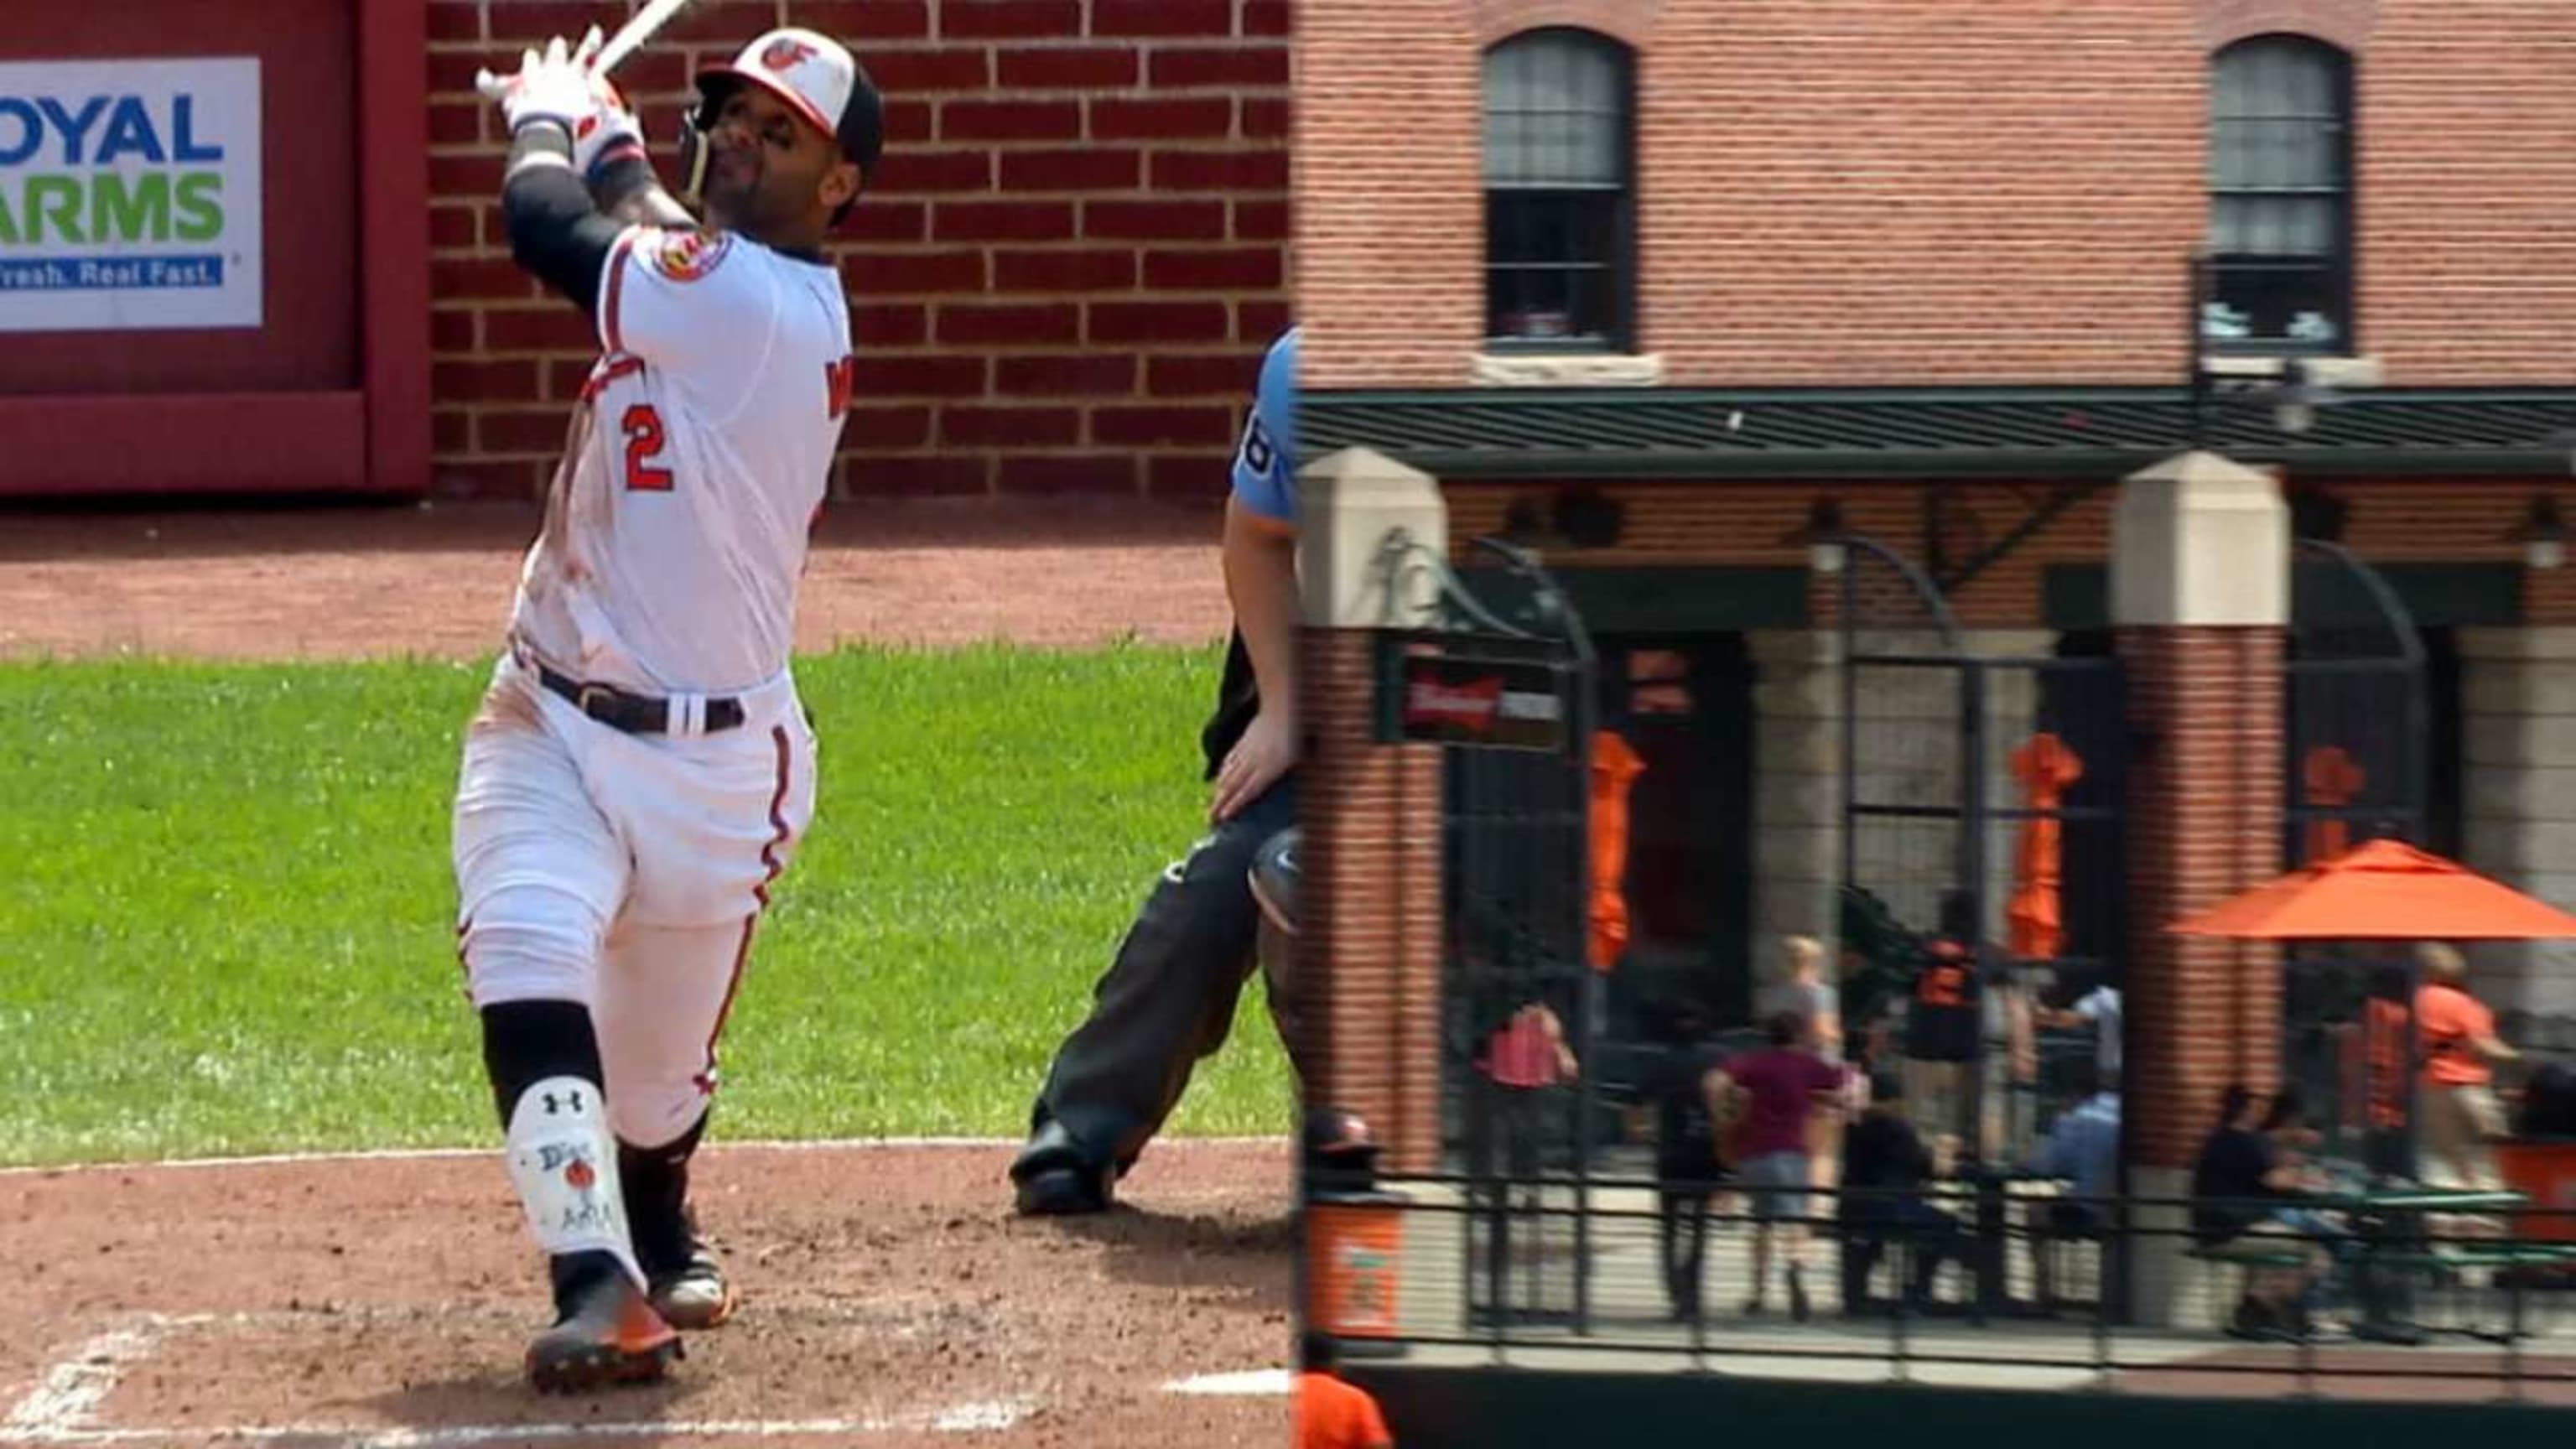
<point x="1994" y="781"/>
<point x="1999" y="1281"/>
<point x="1503" y="680"/>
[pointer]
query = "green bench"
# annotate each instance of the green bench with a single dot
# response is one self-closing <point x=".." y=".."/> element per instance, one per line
<point x="2255" y="1253"/>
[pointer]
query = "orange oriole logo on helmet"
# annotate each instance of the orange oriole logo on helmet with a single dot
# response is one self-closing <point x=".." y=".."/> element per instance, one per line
<point x="785" y="53"/>
<point x="685" y="256"/>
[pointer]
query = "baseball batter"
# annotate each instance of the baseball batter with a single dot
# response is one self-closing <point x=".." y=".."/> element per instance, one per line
<point x="1168" y="999"/>
<point x="642" y="770"/>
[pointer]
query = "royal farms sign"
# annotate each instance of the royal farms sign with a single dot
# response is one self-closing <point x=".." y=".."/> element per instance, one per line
<point x="129" y="195"/>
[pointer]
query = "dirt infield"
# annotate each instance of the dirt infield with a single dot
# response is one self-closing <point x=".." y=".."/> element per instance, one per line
<point x="890" y="1297"/>
<point x="352" y="582"/>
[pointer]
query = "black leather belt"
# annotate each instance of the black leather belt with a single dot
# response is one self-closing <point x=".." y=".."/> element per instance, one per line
<point x="636" y="714"/>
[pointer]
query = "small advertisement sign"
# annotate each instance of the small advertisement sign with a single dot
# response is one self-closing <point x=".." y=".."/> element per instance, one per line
<point x="1497" y="703"/>
<point x="129" y="195"/>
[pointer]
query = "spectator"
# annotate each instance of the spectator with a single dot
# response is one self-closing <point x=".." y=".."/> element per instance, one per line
<point x="2462" y="1119"/>
<point x="2237" y="1191"/>
<point x="1332" y="1413"/>
<point x="2083" y="1147"/>
<point x="1689" y="1089"/>
<point x="2098" y="1006"/>
<point x="2378" y="1054"/>
<point x="1772" y="1093"/>
<point x="1884" y="1174"/>
<point x="1944" y="1022"/>
<point x="1805" y="991"/>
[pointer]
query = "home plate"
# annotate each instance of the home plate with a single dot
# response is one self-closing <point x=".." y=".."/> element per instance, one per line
<point x="1247" y="1383"/>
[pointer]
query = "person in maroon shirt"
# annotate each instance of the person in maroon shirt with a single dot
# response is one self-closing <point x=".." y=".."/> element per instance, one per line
<point x="1771" y="1096"/>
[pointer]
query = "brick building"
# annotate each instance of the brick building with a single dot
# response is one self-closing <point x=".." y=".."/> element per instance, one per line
<point x="1652" y="285"/>
<point x="1061" y="283"/>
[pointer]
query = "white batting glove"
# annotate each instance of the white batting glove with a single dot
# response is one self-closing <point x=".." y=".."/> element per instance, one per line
<point x="552" y="86"/>
<point x="609" y="129"/>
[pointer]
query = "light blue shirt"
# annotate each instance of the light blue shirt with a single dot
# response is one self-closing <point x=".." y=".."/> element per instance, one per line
<point x="2085" y="1145"/>
<point x="1265" y="462"/>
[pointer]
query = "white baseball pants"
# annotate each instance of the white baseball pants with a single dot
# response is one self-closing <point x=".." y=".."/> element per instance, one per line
<point x="627" y="873"/>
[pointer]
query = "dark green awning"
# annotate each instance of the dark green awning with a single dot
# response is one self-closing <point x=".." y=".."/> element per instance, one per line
<point x="1910" y="432"/>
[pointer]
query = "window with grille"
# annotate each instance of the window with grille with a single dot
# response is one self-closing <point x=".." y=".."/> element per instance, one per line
<point x="2280" y="178"/>
<point x="1559" y="235"/>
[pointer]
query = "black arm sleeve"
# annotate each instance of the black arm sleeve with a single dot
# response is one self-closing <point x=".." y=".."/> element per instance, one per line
<point x="628" y="190"/>
<point x="556" y="234"/>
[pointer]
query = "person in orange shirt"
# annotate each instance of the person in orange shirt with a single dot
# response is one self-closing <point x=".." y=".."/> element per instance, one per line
<point x="1331" y="1413"/>
<point x="2462" y="1118"/>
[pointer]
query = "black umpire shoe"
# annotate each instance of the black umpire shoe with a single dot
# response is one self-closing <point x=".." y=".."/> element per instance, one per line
<point x="1053" y="1179"/>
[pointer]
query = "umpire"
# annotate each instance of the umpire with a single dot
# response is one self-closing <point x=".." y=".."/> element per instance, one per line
<point x="1169" y="996"/>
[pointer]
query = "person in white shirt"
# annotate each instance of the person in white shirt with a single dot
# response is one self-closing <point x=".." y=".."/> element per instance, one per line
<point x="642" y="770"/>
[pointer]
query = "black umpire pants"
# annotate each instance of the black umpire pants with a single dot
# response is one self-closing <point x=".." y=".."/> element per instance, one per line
<point x="1168" y="999"/>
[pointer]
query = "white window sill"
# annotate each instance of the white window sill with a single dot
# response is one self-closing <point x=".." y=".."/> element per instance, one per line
<point x="1578" y="369"/>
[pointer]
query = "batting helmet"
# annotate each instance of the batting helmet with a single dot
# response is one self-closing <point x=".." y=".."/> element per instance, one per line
<point x="817" y="78"/>
<point x="1340" y="1152"/>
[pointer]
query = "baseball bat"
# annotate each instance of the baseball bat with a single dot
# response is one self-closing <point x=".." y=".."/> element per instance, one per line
<point x="631" y="36"/>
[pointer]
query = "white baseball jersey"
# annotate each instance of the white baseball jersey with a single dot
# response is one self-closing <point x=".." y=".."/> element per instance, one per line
<point x="676" y="527"/>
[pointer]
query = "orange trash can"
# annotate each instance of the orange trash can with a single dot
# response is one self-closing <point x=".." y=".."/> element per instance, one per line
<point x="1355" y="1251"/>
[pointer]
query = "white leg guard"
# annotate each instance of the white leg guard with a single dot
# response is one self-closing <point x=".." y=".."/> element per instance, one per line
<point x="564" y="1163"/>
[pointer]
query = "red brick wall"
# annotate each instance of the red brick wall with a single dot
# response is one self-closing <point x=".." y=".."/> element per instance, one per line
<point x="1371" y="903"/>
<point x="1870" y="192"/>
<point x="2203" y="789"/>
<point x="1062" y="281"/>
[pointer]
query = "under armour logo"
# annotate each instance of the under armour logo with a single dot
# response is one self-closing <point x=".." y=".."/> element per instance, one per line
<point x="555" y="1110"/>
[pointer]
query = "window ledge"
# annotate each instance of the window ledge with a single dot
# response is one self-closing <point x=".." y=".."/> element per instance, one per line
<point x="1594" y="369"/>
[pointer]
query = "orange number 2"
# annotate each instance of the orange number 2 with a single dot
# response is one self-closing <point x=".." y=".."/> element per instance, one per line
<point x="1942" y="986"/>
<point x="643" y="427"/>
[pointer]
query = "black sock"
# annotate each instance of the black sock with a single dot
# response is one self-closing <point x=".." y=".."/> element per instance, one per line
<point x="524" y="1043"/>
<point x="656" y="1184"/>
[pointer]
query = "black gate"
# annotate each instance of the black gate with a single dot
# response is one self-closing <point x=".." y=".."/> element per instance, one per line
<point x="1502" y="678"/>
<point x="2354" y="722"/>
<point x="1982" y="798"/>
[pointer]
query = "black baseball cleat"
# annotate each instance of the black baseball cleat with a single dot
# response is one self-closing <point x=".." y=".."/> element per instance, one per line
<point x="609" y="1335"/>
<point x="695" y="1295"/>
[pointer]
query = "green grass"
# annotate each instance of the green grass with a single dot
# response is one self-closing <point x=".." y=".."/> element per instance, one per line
<point x="227" y="909"/>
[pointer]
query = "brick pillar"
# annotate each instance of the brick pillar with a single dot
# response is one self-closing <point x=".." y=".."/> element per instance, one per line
<point x="2519" y="719"/>
<point x="2199" y="584"/>
<point x="1797" y="793"/>
<point x="1370" y="812"/>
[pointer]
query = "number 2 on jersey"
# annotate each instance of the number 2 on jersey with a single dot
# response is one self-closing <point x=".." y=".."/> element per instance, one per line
<point x="643" y="428"/>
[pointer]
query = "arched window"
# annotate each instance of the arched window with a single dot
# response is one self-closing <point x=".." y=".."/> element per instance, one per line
<point x="2280" y="186"/>
<point x="1560" y="249"/>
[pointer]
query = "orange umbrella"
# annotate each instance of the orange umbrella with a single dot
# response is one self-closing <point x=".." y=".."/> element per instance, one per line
<point x="1615" y="767"/>
<point x="2036" y="927"/>
<point x="2385" y="890"/>
<point x="2333" y="777"/>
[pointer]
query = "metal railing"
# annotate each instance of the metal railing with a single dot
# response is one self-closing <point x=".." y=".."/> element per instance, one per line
<point x="2034" y="1287"/>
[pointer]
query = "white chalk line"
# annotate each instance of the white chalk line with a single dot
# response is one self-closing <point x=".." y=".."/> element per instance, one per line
<point x="1248" y="1383"/>
<point x="975" y="1418"/>
<point x="714" y="1149"/>
<point x="62" y="1408"/>
<point x="68" y="1395"/>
